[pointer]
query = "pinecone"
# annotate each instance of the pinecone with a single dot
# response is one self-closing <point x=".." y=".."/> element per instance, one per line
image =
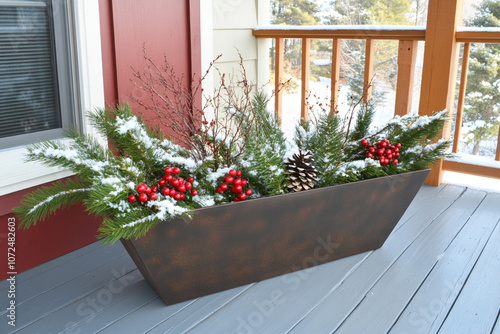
<point x="301" y="171"/>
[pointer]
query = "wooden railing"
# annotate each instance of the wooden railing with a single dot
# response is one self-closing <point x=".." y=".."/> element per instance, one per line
<point x="408" y="38"/>
<point x="468" y="36"/>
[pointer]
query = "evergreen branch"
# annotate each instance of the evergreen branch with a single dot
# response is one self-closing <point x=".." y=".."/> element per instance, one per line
<point x="44" y="201"/>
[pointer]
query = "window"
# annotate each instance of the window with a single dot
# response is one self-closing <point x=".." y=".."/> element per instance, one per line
<point x="77" y="82"/>
<point x="36" y="100"/>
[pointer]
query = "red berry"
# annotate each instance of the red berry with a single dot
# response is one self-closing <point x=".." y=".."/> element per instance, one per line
<point x="229" y="179"/>
<point x="188" y="185"/>
<point x="141" y="188"/>
<point x="176" y="170"/>
<point x="168" y="177"/>
<point x="248" y="192"/>
<point x="223" y="187"/>
<point x="243" y="182"/>
<point x="172" y="192"/>
<point x="237" y="182"/>
<point x="177" y="196"/>
<point x="388" y="151"/>
<point x="219" y="190"/>
<point x="364" y="142"/>
<point x="183" y="197"/>
<point x="143" y="197"/>
<point x="238" y="173"/>
<point x="232" y="172"/>
<point x="206" y="122"/>
<point x="148" y="190"/>
<point x="397" y="154"/>
<point x="389" y="156"/>
<point x="168" y="170"/>
<point x="395" y="161"/>
<point x="369" y="155"/>
<point x="396" y="149"/>
<point x="381" y="151"/>
<point x="238" y="189"/>
<point x="154" y="189"/>
<point x="190" y="179"/>
<point x="194" y="192"/>
<point x="371" y="150"/>
<point x="386" y="161"/>
<point x="181" y="188"/>
<point x="242" y="196"/>
<point x="132" y="198"/>
<point x="181" y="180"/>
<point x="162" y="182"/>
<point x="153" y="196"/>
<point x="236" y="199"/>
<point x="233" y="190"/>
<point x="166" y="191"/>
<point x="381" y="160"/>
<point x="175" y="183"/>
<point x="398" y="145"/>
<point x="383" y="144"/>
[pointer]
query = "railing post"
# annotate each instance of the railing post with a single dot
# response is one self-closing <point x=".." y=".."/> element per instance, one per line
<point x="440" y="67"/>
<point x="335" y="75"/>
<point x="367" y="86"/>
<point x="461" y="97"/>
<point x="306" y="51"/>
<point x="407" y="57"/>
<point x="279" y="58"/>
<point x="497" y="155"/>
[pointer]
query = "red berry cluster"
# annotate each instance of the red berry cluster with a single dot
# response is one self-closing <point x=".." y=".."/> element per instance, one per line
<point x="238" y="185"/>
<point x="383" y="151"/>
<point x="170" y="185"/>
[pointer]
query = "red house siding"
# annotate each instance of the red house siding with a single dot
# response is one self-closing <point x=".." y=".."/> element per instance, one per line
<point x="166" y="27"/>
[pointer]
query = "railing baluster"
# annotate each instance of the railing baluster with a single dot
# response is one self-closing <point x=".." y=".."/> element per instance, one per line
<point x="367" y="87"/>
<point x="279" y="58"/>
<point x="306" y="51"/>
<point x="497" y="156"/>
<point x="461" y="97"/>
<point x="407" y="56"/>
<point x="335" y="75"/>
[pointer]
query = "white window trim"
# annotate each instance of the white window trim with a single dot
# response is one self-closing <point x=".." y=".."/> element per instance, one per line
<point x="15" y="173"/>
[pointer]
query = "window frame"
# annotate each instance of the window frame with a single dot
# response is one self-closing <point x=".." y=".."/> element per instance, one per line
<point x="86" y="83"/>
<point x="64" y="99"/>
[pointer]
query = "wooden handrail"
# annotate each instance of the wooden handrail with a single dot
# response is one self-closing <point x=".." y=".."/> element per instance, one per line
<point x="478" y="35"/>
<point x="342" y="32"/>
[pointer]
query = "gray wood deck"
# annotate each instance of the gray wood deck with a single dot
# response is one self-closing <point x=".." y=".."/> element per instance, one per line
<point x="439" y="272"/>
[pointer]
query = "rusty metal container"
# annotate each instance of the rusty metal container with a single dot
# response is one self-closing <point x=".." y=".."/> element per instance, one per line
<point x="239" y="243"/>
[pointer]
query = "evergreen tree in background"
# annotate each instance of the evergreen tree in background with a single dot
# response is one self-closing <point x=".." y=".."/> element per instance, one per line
<point x="482" y="102"/>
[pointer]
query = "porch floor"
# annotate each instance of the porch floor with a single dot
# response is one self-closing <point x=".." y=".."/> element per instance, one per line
<point x="439" y="271"/>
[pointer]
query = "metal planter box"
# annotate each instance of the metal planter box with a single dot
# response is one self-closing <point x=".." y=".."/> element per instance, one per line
<point x="235" y="244"/>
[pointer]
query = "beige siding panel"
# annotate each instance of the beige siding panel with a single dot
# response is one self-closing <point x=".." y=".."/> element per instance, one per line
<point x="234" y="14"/>
<point x="228" y="42"/>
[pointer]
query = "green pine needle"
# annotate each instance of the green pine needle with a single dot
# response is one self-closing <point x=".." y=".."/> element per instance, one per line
<point x="39" y="204"/>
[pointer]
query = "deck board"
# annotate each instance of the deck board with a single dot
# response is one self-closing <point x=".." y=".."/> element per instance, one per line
<point x="430" y="306"/>
<point x="340" y="303"/>
<point x="98" y="309"/>
<point x="437" y="272"/>
<point x="398" y="285"/>
<point x="476" y="308"/>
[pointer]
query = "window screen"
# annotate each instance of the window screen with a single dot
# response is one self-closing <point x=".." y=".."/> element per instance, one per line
<point x="30" y="102"/>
